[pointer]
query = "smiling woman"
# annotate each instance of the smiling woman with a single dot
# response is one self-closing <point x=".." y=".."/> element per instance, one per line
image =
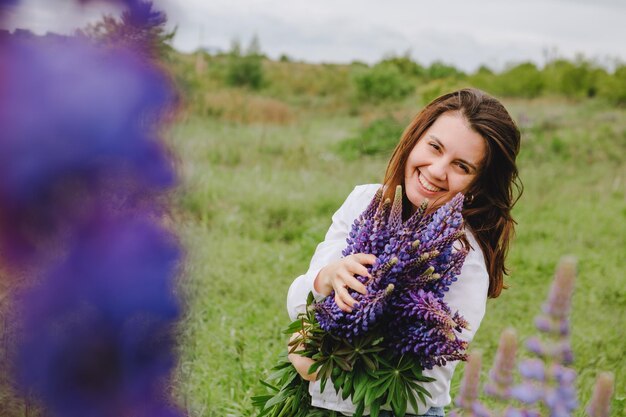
<point x="462" y="142"/>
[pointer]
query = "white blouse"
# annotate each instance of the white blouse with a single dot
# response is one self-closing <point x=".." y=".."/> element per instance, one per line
<point x="468" y="295"/>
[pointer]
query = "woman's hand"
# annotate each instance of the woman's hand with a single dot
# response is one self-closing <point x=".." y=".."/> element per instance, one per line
<point x="301" y="363"/>
<point x="339" y="276"/>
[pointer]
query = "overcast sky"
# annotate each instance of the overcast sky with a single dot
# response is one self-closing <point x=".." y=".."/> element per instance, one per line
<point x="466" y="33"/>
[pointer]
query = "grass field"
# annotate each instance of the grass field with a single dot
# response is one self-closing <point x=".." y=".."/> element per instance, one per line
<point x="257" y="198"/>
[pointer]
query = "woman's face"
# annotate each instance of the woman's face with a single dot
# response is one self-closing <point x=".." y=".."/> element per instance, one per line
<point x="444" y="161"/>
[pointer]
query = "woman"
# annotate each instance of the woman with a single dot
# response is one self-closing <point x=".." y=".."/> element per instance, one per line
<point x="465" y="142"/>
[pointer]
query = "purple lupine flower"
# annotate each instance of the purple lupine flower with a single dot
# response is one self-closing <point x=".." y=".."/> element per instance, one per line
<point x="561" y="398"/>
<point x="421" y="323"/>
<point x="363" y="317"/>
<point x="559" y="300"/>
<point x="600" y="403"/>
<point x="501" y="374"/>
<point x="548" y="375"/>
<point x="526" y="393"/>
<point x="533" y="369"/>
<point x="95" y="338"/>
<point x="468" y="392"/>
<point x="520" y="412"/>
<point x="555" y="318"/>
<point x="79" y="130"/>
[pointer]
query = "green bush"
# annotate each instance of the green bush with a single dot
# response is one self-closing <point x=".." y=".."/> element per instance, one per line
<point x="572" y="79"/>
<point x="613" y="87"/>
<point x="382" y="82"/>
<point x="377" y="138"/>
<point x="405" y="65"/>
<point x="438" y="70"/>
<point x="245" y="70"/>
<point x="521" y="80"/>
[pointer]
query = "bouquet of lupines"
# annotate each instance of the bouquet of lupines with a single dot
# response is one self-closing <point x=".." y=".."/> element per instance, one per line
<point x="375" y="354"/>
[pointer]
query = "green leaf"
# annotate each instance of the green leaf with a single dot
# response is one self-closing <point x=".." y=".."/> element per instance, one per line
<point x="375" y="408"/>
<point x="398" y="404"/>
<point x="277" y="399"/>
<point x="347" y="386"/>
<point x="369" y="362"/>
<point x="268" y="385"/>
<point x="360" y="407"/>
<point x="413" y="401"/>
<point x="360" y="384"/>
<point x="369" y="395"/>
<point x="274" y="376"/>
<point x="338" y="381"/>
<point x="260" y="400"/>
<point x="343" y="364"/>
<point x="294" y="327"/>
<point x="315" y="366"/>
<point x="383" y="387"/>
<point x="384" y="362"/>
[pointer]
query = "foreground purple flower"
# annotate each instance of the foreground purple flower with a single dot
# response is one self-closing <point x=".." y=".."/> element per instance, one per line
<point x="96" y="337"/>
<point x="83" y="177"/>
<point x="79" y="131"/>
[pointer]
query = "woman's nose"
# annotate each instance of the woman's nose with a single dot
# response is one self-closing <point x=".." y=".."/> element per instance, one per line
<point x="438" y="169"/>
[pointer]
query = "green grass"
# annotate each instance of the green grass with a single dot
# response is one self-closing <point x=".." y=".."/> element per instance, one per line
<point x="256" y="200"/>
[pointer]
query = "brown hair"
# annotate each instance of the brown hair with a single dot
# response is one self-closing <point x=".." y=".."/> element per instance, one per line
<point x="496" y="188"/>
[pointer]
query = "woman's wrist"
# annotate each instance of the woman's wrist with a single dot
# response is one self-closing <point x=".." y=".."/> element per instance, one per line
<point x="321" y="284"/>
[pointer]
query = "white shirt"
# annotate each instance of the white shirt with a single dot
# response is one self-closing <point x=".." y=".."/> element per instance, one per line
<point x="468" y="295"/>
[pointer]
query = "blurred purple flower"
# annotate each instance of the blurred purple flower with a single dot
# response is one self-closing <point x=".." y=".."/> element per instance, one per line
<point x="468" y="392"/>
<point x="600" y="403"/>
<point x="96" y="336"/>
<point x="533" y="369"/>
<point x="520" y="412"/>
<point x="77" y="120"/>
<point x="526" y="393"/>
<point x="501" y="374"/>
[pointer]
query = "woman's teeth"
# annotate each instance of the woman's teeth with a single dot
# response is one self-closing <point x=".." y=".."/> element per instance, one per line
<point x="427" y="185"/>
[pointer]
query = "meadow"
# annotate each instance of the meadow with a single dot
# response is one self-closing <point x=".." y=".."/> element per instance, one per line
<point x="257" y="197"/>
<point x="268" y="150"/>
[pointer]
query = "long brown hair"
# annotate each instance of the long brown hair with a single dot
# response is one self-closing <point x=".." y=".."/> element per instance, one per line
<point x="496" y="188"/>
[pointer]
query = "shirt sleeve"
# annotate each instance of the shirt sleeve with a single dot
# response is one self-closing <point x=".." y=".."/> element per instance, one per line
<point x="330" y="249"/>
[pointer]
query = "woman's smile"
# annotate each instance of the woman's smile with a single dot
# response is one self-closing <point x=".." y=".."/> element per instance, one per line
<point x="427" y="185"/>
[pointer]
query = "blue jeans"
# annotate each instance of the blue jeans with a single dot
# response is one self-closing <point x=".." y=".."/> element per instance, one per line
<point x="432" y="412"/>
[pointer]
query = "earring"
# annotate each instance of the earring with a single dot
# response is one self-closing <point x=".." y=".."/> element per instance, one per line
<point x="469" y="198"/>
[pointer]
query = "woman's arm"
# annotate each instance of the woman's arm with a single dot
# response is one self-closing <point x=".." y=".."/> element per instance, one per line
<point x="329" y="251"/>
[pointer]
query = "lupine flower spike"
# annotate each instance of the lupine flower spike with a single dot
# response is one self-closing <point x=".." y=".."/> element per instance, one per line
<point x="600" y="403"/>
<point x="501" y="375"/>
<point x="467" y="399"/>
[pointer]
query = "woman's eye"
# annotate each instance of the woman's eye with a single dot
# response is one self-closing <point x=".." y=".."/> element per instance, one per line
<point x="434" y="146"/>
<point x="464" y="168"/>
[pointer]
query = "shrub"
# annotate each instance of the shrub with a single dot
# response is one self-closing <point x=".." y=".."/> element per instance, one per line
<point x="438" y="70"/>
<point x="613" y="87"/>
<point x="382" y="82"/>
<point x="377" y="138"/>
<point x="572" y="79"/>
<point x="521" y="80"/>
<point x="245" y="70"/>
